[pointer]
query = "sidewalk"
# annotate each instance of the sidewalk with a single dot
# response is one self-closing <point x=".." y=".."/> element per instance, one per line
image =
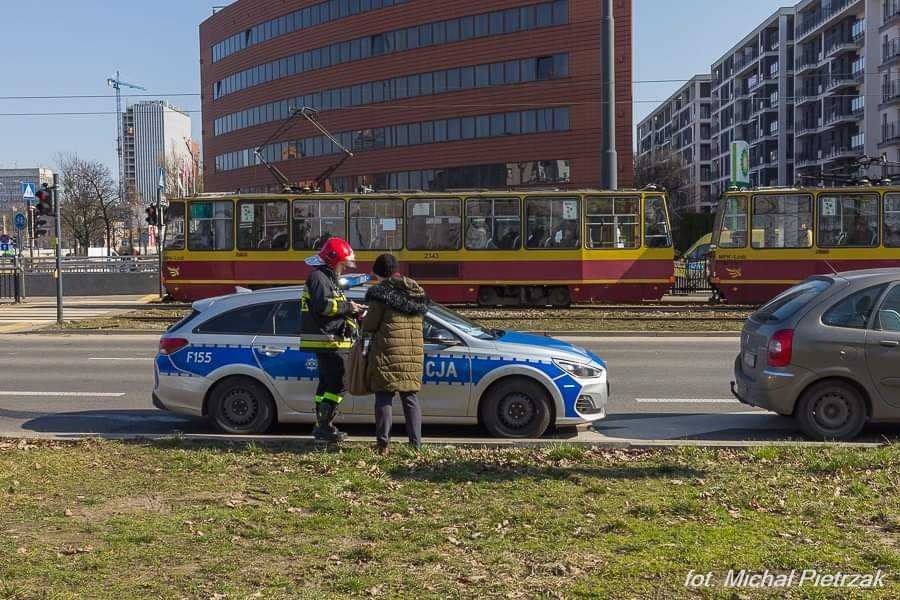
<point x="36" y="313"/>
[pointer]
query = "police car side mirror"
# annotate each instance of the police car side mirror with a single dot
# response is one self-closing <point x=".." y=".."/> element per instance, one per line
<point x="442" y="337"/>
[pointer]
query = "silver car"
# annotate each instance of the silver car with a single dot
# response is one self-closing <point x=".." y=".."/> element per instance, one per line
<point x="826" y="351"/>
<point x="236" y="360"/>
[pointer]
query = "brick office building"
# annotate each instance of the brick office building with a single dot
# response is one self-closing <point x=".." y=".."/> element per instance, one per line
<point x="429" y="95"/>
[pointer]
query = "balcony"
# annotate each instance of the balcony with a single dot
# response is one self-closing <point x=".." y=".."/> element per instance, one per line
<point x="843" y="47"/>
<point x="839" y="118"/>
<point x="890" y="14"/>
<point x="816" y="19"/>
<point x="840" y="82"/>
<point x="890" y="134"/>
<point x="807" y="128"/>
<point x="743" y="61"/>
<point x="890" y="52"/>
<point x="890" y="93"/>
<point x="841" y="153"/>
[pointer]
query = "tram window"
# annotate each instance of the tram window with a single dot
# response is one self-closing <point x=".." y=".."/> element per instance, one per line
<point x="782" y="221"/>
<point x="211" y="226"/>
<point x="733" y="228"/>
<point x="847" y="220"/>
<point x="613" y="222"/>
<point x="892" y="220"/>
<point x="317" y="220"/>
<point x="433" y="224"/>
<point x="376" y="224"/>
<point x="263" y="225"/>
<point x="174" y="216"/>
<point x="552" y="223"/>
<point x="493" y="223"/>
<point x="656" y="224"/>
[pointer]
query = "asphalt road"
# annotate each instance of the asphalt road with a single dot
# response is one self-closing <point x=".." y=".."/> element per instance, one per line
<point x="662" y="389"/>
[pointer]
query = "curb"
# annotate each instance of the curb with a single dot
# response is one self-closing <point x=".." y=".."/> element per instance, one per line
<point x="354" y="442"/>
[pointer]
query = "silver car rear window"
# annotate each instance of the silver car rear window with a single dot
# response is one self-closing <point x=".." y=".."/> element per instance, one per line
<point x="785" y="305"/>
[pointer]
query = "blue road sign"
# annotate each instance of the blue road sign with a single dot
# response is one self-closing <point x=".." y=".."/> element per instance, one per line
<point x="20" y="221"/>
<point x="4" y="239"/>
<point x="4" y="248"/>
<point x="28" y="190"/>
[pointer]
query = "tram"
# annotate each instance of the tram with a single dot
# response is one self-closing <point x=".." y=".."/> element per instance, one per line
<point x="523" y="248"/>
<point x="766" y="240"/>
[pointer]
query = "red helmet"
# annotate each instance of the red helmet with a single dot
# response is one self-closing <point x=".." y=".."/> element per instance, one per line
<point x="334" y="252"/>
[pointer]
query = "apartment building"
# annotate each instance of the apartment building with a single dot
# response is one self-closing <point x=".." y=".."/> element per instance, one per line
<point x="836" y="77"/>
<point x="889" y="80"/>
<point x="752" y="100"/>
<point x="683" y="124"/>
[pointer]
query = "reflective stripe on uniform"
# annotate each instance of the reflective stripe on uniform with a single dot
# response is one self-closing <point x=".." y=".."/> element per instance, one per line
<point x="325" y="345"/>
<point x="332" y="309"/>
<point x="332" y="397"/>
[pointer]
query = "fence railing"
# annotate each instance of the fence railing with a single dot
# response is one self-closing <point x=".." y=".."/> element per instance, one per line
<point x="691" y="277"/>
<point x="10" y="280"/>
<point x="112" y="264"/>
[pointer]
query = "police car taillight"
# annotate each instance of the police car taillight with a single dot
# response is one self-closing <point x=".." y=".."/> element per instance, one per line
<point x="171" y="345"/>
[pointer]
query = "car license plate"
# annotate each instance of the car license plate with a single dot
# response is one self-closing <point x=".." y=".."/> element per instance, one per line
<point x="749" y="360"/>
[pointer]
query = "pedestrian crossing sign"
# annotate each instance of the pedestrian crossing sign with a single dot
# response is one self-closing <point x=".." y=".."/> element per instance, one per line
<point x="27" y="191"/>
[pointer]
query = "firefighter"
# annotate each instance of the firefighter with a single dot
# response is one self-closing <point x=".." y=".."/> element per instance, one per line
<point x="327" y="327"/>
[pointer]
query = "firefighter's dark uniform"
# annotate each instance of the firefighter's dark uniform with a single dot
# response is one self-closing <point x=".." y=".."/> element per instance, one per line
<point x="327" y="327"/>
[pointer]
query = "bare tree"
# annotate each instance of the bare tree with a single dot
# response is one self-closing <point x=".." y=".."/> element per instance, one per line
<point x="80" y="216"/>
<point x="665" y="168"/>
<point x="99" y="179"/>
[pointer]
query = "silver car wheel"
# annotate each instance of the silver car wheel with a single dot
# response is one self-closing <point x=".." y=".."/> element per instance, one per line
<point x="832" y="411"/>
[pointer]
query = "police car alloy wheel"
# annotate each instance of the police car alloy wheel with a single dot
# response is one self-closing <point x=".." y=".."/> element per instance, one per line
<point x="516" y="408"/>
<point x="241" y="405"/>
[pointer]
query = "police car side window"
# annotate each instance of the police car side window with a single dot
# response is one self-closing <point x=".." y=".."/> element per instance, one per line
<point x="249" y="320"/>
<point x="287" y="319"/>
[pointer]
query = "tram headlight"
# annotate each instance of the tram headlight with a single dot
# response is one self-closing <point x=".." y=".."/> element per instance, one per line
<point x="579" y="370"/>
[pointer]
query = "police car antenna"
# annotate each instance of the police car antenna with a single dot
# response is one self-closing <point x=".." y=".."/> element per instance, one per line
<point x="311" y="115"/>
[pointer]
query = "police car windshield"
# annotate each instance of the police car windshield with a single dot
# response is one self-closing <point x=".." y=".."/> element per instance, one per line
<point x="463" y="324"/>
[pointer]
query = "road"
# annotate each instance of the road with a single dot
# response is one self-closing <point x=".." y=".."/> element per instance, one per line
<point x="662" y="389"/>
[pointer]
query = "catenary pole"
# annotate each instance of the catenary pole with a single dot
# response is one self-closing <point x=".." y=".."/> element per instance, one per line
<point x="58" y="228"/>
<point x="609" y="163"/>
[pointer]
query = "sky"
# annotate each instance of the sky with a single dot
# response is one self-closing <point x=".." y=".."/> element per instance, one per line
<point x="68" y="48"/>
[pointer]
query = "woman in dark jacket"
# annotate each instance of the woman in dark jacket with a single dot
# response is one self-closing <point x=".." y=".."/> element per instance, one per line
<point x="397" y="306"/>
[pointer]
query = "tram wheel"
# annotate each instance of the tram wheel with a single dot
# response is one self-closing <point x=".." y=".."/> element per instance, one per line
<point x="560" y="297"/>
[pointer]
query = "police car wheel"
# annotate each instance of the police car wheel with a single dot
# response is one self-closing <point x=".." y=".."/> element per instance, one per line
<point x="241" y="405"/>
<point x="516" y="408"/>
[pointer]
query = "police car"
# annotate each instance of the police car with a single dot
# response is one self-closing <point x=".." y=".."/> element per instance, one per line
<point x="236" y="360"/>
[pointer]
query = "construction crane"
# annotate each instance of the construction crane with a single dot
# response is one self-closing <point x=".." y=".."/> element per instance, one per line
<point x="117" y="84"/>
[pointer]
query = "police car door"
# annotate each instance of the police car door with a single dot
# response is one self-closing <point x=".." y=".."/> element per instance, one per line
<point x="294" y="373"/>
<point x="447" y="379"/>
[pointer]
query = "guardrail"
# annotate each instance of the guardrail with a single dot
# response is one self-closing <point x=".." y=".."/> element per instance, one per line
<point x="112" y="264"/>
<point x="10" y="280"/>
<point x="691" y="277"/>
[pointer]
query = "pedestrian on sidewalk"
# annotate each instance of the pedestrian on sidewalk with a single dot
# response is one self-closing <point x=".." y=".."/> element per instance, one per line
<point x="397" y="306"/>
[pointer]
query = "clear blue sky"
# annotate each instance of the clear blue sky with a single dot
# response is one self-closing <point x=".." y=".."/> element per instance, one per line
<point x="155" y="44"/>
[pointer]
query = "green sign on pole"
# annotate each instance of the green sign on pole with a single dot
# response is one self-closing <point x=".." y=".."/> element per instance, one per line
<point x="740" y="163"/>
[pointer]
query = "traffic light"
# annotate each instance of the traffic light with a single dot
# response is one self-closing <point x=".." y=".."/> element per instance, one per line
<point x="40" y="226"/>
<point x="151" y="216"/>
<point x="44" y="201"/>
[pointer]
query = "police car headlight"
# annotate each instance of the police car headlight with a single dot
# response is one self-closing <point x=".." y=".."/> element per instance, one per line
<point x="579" y="370"/>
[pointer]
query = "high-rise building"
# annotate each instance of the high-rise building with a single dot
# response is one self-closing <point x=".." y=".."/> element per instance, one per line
<point x="683" y="124"/>
<point x="156" y="135"/>
<point x="812" y="89"/>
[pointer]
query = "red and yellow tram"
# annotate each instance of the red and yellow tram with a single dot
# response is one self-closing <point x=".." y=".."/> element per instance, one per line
<point x="493" y="248"/>
<point x="767" y="240"/>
